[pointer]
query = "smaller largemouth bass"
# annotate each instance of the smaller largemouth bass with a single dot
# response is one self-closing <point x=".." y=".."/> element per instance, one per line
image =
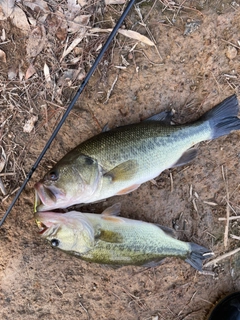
<point x="108" y="239"/>
<point x="118" y="161"/>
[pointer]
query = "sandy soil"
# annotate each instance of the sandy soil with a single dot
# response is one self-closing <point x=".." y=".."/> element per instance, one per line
<point x="189" y="73"/>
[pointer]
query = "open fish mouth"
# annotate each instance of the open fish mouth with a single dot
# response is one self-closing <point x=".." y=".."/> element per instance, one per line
<point x="43" y="196"/>
<point x="42" y="227"/>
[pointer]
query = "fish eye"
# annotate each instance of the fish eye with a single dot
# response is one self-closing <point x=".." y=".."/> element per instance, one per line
<point x="55" y="242"/>
<point x="53" y="175"/>
<point x="89" y="161"/>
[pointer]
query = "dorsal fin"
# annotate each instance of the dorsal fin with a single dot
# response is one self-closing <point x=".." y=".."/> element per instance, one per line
<point x="164" y="117"/>
<point x="169" y="231"/>
<point x="105" y="128"/>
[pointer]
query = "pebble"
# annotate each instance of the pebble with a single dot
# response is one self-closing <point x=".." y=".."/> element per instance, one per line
<point x="231" y="52"/>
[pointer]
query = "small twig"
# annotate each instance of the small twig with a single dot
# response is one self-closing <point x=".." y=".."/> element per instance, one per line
<point x="15" y="190"/>
<point x="234" y="237"/>
<point x="111" y="89"/>
<point x="224" y="256"/>
<point x="207" y="273"/>
<point x="59" y="289"/>
<point x="219" y="87"/>
<point x="171" y="181"/>
<point x="154" y="63"/>
<point x="232" y="44"/>
<point x="230" y="218"/>
<point x="7" y="174"/>
<point x="83" y="306"/>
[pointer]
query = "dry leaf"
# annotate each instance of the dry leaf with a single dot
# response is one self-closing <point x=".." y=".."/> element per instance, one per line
<point x="57" y="25"/>
<point x="136" y="36"/>
<point x="20" y="71"/>
<point x="16" y="14"/>
<point x="79" y="23"/>
<point x="114" y="2"/>
<point x="6" y="8"/>
<point x="3" y="36"/>
<point x="71" y="47"/>
<point x="30" y="72"/>
<point x="29" y="125"/>
<point x="36" y="41"/>
<point x="127" y="33"/>
<point x="73" y="10"/>
<point x="46" y="73"/>
<point x="37" y="5"/>
<point x="12" y="73"/>
<point x="3" y="159"/>
<point x="3" y="56"/>
<point x="82" y="3"/>
<point x="19" y="19"/>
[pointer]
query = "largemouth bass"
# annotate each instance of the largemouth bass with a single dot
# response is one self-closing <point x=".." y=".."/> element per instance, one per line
<point x="118" y="161"/>
<point x="108" y="239"/>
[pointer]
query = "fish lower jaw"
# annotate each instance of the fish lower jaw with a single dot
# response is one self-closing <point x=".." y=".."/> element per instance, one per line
<point x="41" y="226"/>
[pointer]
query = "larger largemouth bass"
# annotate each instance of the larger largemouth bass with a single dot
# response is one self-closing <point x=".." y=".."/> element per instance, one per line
<point x="107" y="239"/>
<point x="118" y="161"/>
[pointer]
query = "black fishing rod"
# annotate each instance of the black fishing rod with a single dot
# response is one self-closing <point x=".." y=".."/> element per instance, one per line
<point x="80" y="90"/>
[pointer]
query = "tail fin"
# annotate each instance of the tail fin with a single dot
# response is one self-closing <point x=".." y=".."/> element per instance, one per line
<point x="197" y="255"/>
<point x="223" y="117"/>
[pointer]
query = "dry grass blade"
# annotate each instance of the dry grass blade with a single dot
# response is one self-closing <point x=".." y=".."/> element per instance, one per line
<point x="227" y="209"/>
<point x="114" y="2"/>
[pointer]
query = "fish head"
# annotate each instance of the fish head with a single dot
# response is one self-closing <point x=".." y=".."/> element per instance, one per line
<point x="70" y="232"/>
<point x="71" y="181"/>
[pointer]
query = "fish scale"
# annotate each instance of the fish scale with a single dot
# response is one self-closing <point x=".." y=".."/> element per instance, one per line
<point x="107" y="239"/>
<point x="118" y="161"/>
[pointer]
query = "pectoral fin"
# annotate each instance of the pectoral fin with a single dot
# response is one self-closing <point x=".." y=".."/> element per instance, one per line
<point x="112" y="211"/>
<point x="124" y="171"/>
<point x="109" y="236"/>
<point x="186" y="157"/>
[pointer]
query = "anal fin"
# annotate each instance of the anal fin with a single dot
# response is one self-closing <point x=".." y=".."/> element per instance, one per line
<point x="186" y="157"/>
<point x="153" y="264"/>
<point x="128" y="189"/>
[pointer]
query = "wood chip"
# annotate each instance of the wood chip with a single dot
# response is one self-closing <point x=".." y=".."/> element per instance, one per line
<point x="29" y="125"/>
<point x="3" y="56"/>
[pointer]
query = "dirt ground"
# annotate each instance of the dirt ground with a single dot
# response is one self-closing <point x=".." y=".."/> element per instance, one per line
<point x="194" y="65"/>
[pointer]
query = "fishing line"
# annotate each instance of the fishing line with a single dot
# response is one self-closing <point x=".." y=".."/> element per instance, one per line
<point x="85" y="81"/>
